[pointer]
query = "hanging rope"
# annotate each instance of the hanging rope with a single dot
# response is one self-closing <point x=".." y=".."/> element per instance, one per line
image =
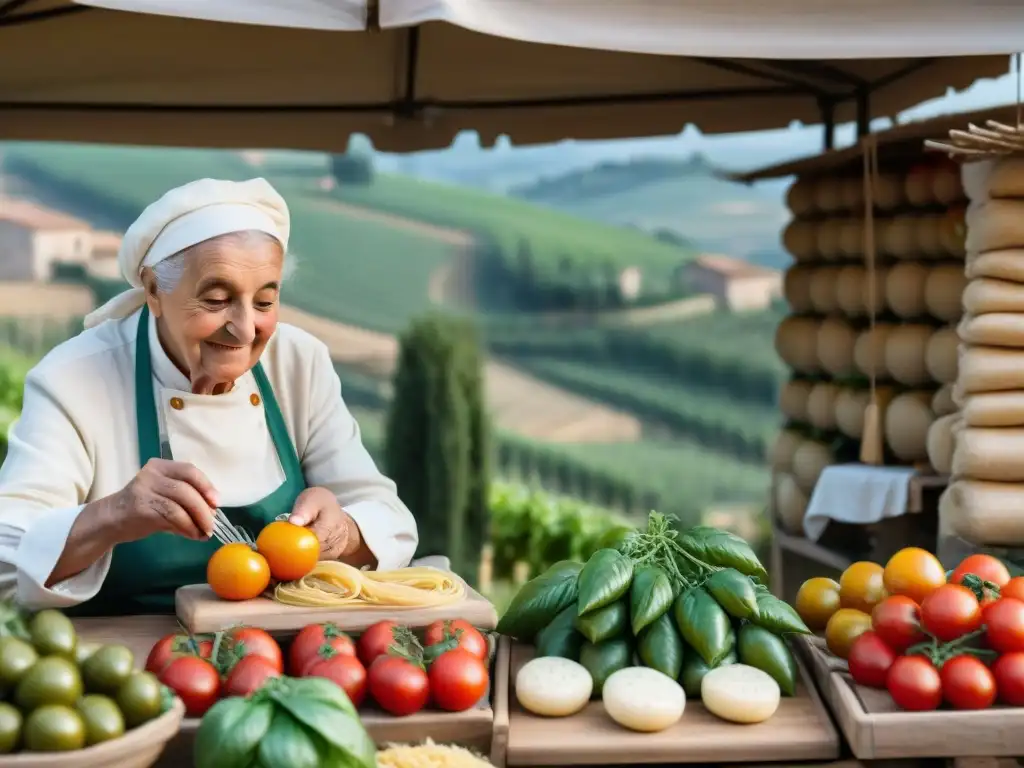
<point x="871" y="445"/>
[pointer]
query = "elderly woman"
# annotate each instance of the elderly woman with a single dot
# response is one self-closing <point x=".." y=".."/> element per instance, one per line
<point x="183" y="395"/>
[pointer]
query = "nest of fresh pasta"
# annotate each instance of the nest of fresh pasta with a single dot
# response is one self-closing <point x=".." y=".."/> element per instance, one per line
<point x="332" y="584"/>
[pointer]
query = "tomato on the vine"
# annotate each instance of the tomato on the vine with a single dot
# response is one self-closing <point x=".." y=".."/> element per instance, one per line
<point x="250" y="641"/>
<point x="458" y="680"/>
<point x="869" y="660"/>
<point x="376" y="641"/>
<point x="345" y="671"/>
<point x="914" y="684"/>
<point x="397" y="685"/>
<point x="469" y="637"/>
<point x="951" y="611"/>
<point x="1013" y="588"/>
<point x="1008" y="671"/>
<point x="897" y="621"/>
<point x="195" y="681"/>
<point x="172" y="646"/>
<point x="967" y="683"/>
<point x="248" y="675"/>
<point x="310" y="641"/>
<point x="985" y="567"/>
<point x="1004" y="625"/>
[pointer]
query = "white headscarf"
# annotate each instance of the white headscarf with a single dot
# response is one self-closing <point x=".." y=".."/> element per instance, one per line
<point x="185" y="217"/>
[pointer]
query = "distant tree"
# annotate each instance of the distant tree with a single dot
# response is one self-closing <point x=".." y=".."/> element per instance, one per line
<point x="352" y="168"/>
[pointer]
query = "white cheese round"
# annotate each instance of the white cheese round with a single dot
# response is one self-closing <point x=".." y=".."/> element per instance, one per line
<point x="907" y="421"/>
<point x="942" y="357"/>
<point x="906" y="354"/>
<point x="828" y="235"/>
<point x="836" y="341"/>
<point x="869" y="351"/>
<point x="800" y="197"/>
<point x="793" y="399"/>
<point x="850" y="290"/>
<point x="823" y="289"/>
<point x="800" y="239"/>
<point x="796" y="288"/>
<point x="796" y="341"/>
<point x="874" y="290"/>
<point x="790" y="503"/>
<point x="821" y="405"/>
<point x="809" y="462"/>
<point x="850" y="406"/>
<point x="643" y="699"/>
<point x="897" y="236"/>
<point x="904" y="289"/>
<point x="944" y="290"/>
<point x="551" y="686"/>
<point x="851" y="237"/>
<point x="780" y="456"/>
<point x="740" y="694"/>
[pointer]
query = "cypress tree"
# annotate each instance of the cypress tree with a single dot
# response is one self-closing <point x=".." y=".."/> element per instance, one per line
<point x="438" y="439"/>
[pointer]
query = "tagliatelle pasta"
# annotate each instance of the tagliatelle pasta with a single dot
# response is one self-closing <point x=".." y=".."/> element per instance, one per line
<point x="332" y="584"/>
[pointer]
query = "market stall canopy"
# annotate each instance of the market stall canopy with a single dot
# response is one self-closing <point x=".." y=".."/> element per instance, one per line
<point x="306" y="73"/>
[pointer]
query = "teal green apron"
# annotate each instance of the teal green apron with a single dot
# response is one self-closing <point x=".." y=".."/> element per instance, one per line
<point x="144" y="574"/>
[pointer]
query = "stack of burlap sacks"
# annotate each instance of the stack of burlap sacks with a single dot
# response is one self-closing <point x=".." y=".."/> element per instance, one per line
<point x="827" y="341"/>
<point x="982" y="445"/>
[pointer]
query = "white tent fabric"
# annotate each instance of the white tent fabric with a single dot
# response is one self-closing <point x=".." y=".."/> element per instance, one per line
<point x="338" y="15"/>
<point x="748" y="29"/>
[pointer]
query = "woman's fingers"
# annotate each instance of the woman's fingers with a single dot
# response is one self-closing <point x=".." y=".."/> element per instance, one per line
<point x="190" y="500"/>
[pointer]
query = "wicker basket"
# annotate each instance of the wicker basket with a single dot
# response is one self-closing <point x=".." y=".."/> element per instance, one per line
<point x="138" y="748"/>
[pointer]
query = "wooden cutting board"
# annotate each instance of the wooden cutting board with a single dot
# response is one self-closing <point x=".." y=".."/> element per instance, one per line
<point x="202" y="611"/>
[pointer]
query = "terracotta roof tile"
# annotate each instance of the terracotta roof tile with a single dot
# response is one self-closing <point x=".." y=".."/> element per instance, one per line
<point x="34" y="216"/>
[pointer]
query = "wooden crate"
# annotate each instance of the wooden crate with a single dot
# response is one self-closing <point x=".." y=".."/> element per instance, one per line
<point x="876" y="728"/>
<point x="800" y="730"/>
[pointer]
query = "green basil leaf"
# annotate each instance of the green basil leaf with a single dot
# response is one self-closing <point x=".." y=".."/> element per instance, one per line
<point x="324" y="691"/>
<point x="560" y="638"/>
<point x="660" y="647"/>
<point x="604" y="623"/>
<point x="539" y="600"/>
<point x="602" y="659"/>
<point x="778" y="616"/>
<point x="704" y="625"/>
<point x="650" y="596"/>
<point x="289" y="745"/>
<point x="604" y="579"/>
<point x="757" y="647"/>
<point x="717" y="547"/>
<point x="694" y="669"/>
<point x="734" y="592"/>
<point x="230" y="733"/>
<point x="334" y="726"/>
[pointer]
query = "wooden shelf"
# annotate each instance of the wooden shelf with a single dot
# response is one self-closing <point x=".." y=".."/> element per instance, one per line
<point x="800" y="545"/>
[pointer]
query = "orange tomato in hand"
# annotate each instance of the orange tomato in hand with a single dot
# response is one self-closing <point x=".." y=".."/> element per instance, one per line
<point x="291" y="550"/>
<point x="236" y="572"/>
<point x="913" y="572"/>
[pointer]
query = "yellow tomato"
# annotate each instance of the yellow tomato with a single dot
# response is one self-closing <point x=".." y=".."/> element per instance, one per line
<point x="913" y="572"/>
<point x="816" y="601"/>
<point x="845" y="626"/>
<point x="862" y="586"/>
<point x="236" y="572"/>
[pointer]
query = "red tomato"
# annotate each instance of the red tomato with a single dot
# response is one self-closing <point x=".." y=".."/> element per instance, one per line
<point x="967" y="683"/>
<point x="250" y="641"/>
<point x="914" y="684"/>
<point x="170" y="646"/>
<point x="195" y="681"/>
<point x="1013" y="588"/>
<point x="951" y="611"/>
<point x="375" y="641"/>
<point x="869" y="660"/>
<point x="1008" y="671"/>
<point x="469" y="637"/>
<point x="458" y="680"/>
<point x="345" y="671"/>
<point x="248" y="675"/>
<point x="1004" y="625"/>
<point x="985" y="567"/>
<point x="311" y="640"/>
<point x="398" y="686"/>
<point x="897" y="621"/>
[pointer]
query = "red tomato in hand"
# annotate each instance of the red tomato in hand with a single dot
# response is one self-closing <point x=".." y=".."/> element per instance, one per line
<point x="897" y="621"/>
<point x="398" y="686"/>
<point x="375" y="641"/>
<point x="1008" y="671"/>
<point x="458" y="680"/>
<point x="869" y="660"/>
<point x="250" y="641"/>
<point x="195" y="681"/>
<point x="967" y="683"/>
<point x="469" y="637"/>
<point x="951" y="611"/>
<point x="985" y="567"/>
<point x="343" y="670"/>
<point x="311" y="640"/>
<point x="248" y="675"/>
<point x="1004" y="625"/>
<point x="171" y="646"/>
<point x="1013" y="588"/>
<point x="914" y="684"/>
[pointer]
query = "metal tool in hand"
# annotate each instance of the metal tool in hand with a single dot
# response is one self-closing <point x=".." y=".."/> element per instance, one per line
<point x="227" y="532"/>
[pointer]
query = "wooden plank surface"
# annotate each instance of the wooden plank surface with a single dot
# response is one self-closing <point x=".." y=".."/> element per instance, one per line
<point x="876" y="728"/>
<point x="800" y="730"/>
<point x="202" y="611"/>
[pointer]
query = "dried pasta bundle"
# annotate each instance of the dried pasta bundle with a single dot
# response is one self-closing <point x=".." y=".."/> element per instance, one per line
<point x="332" y="584"/>
<point x="428" y="755"/>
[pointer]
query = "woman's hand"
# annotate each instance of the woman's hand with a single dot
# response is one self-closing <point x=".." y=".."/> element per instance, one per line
<point x="165" y="496"/>
<point x="318" y="509"/>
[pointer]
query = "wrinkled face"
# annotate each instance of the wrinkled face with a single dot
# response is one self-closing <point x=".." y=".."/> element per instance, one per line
<point x="217" y="320"/>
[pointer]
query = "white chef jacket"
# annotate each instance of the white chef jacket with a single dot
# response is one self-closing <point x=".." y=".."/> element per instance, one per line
<point x="76" y="441"/>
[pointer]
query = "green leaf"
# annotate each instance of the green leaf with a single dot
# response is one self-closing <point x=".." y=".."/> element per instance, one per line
<point x="777" y="616"/>
<point x="230" y="733"/>
<point x="704" y="625"/>
<point x="660" y="647"/>
<point x="289" y="745"/>
<point x="320" y="689"/>
<point x="604" y="579"/>
<point x="604" y="623"/>
<point x="717" y="547"/>
<point x="560" y="638"/>
<point x="734" y="592"/>
<point x="650" y="596"/>
<point x="602" y="659"/>
<point x="334" y="725"/>
<point x="757" y="647"/>
<point x="694" y="669"/>
<point x="539" y="600"/>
